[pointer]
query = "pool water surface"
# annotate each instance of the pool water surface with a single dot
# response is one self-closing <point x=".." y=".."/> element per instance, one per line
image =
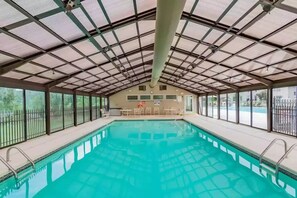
<point x="149" y="159"/>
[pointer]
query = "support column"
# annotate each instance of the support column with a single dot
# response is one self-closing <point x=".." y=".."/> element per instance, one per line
<point x="269" y="109"/>
<point x="219" y="105"/>
<point x="91" y="107"/>
<point x="100" y="106"/>
<point x="25" y="114"/>
<point x="47" y="112"/>
<point x="75" y="109"/>
<point x="63" y="113"/>
<point x="206" y="105"/>
<point x="237" y="106"/>
<point x="198" y="108"/>
<point x="108" y="103"/>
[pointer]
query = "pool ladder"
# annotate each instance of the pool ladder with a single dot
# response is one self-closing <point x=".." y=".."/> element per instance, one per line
<point x="5" y="162"/>
<point x="277" y="165"/>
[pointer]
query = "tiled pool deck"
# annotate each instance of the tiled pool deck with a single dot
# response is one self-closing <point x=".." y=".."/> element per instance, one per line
<point x="250" y="139"/>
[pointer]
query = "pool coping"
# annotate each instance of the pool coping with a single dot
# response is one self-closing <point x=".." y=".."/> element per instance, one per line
<point x="286" y="171"/>
<point x="27" y="165"/>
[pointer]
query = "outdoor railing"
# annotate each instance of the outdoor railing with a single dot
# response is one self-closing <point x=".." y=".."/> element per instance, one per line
<point x="285" y="116"/>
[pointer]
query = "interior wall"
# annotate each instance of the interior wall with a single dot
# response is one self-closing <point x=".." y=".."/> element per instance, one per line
<point x="119" y="100"/>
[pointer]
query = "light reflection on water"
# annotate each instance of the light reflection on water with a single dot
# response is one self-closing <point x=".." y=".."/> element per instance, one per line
<point x="150" y="159"/>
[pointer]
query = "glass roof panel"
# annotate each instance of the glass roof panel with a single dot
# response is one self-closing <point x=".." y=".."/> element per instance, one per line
<point x="83" y="63"/>
<point x="52" y="75"/>
<point x="249" y="17"/>
<point x="98" y="58"/>
<point x="143" y="5"/>
<point x="147" y="40"/>
<point x="213" y="36"/>
<point x="191" y="30"/>
<point x="118" y="9"/>
<point x="234" y="61"/>
<point x="270" y="22"/>
<point x="48" y="61"/>
<point x="129" y="46"/>
<point x="236" y="45"/>
<point x="218" y="56"/>
<point x="65" y="28"/>
<point x="37" y="79"/>
<point x="36" y="35"/>
<point x="291" y="3"/>
<point x="15" y="47"/>
<point x="238" y="10"/>
<point x="86" y="47"/>
<point x="109" y="37"/>
<point x="285" y="37"/>
<point x="95" y="12"/>
<point x="16" y="75"/>
<point x="37" y="7"/>
<point x="9" y="15"/>
<point x="126" y="32"/>
<point x="67" y="69"/>
<point x="5" y="59"/>
<point x="67" y="53"/>
<point x="186" y="45"/>
<point x="256" y="50"/>
<point x="211" y="9"/>
<point x="31" y="68"/>
<point x="83" y="19"/>
<point x="146" y="26"/>
<point x="275" y="57"/>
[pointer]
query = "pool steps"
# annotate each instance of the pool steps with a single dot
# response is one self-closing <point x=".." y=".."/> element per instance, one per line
<point x="5" y="162"/>
<point x="287" y="151"/>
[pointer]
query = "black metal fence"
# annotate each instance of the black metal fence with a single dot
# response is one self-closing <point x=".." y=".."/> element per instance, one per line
<point x="285" y="116"/>
<point x="12" y="126"/>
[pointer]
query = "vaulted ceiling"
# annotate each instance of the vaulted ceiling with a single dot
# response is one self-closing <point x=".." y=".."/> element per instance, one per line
<point x="106" y="46"/>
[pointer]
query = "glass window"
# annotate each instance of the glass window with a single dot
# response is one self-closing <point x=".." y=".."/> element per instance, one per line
<point x="158" y="97"/>
<point x="132" y="97"/>
<point x="11" y="116"/>
<point x="80" y="109"/>
<point x="145" y="97"/>
<point x="215" y="106"/>
<point x="94" y="107"/>
<point x="209" y="106"/>
<point x="223" y="106"/>
<point x="245" y="108"/>
<point x="35" y="110"/>
<point x="231" y="107"/>
<point x="68" y="111"/>
<point x="171" y="97"/>
<point x="259" y="108"/>
<point x="203" y="105"/>
<point x="87" y="108"/>
<point x="200" y="105"/>
<point x="56" y="113"/>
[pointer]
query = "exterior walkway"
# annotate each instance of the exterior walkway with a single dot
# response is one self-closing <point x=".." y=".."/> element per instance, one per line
<point x="250" y="139"/>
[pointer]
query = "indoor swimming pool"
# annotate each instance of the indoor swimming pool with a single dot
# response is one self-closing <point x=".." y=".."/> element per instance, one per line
<point x="160" y="159"/>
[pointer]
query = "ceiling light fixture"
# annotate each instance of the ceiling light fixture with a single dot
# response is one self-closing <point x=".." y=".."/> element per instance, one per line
<point x="267" y="5"/>
<point x="213" y="48"/>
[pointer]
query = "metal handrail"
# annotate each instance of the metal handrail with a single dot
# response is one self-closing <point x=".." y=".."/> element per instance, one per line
<point x="22" y="152"/>
<point x="283" y="157"/>
<point x="9" y="167"/>
<point x="270" y="145"/>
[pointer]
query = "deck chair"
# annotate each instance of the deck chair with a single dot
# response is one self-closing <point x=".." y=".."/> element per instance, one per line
<point x="156" y="111"/>
<point x="104" y="113"/>
<point x="148" y="111"/>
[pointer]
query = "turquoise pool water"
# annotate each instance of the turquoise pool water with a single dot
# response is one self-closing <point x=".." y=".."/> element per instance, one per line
<point x="149" y="159"/>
